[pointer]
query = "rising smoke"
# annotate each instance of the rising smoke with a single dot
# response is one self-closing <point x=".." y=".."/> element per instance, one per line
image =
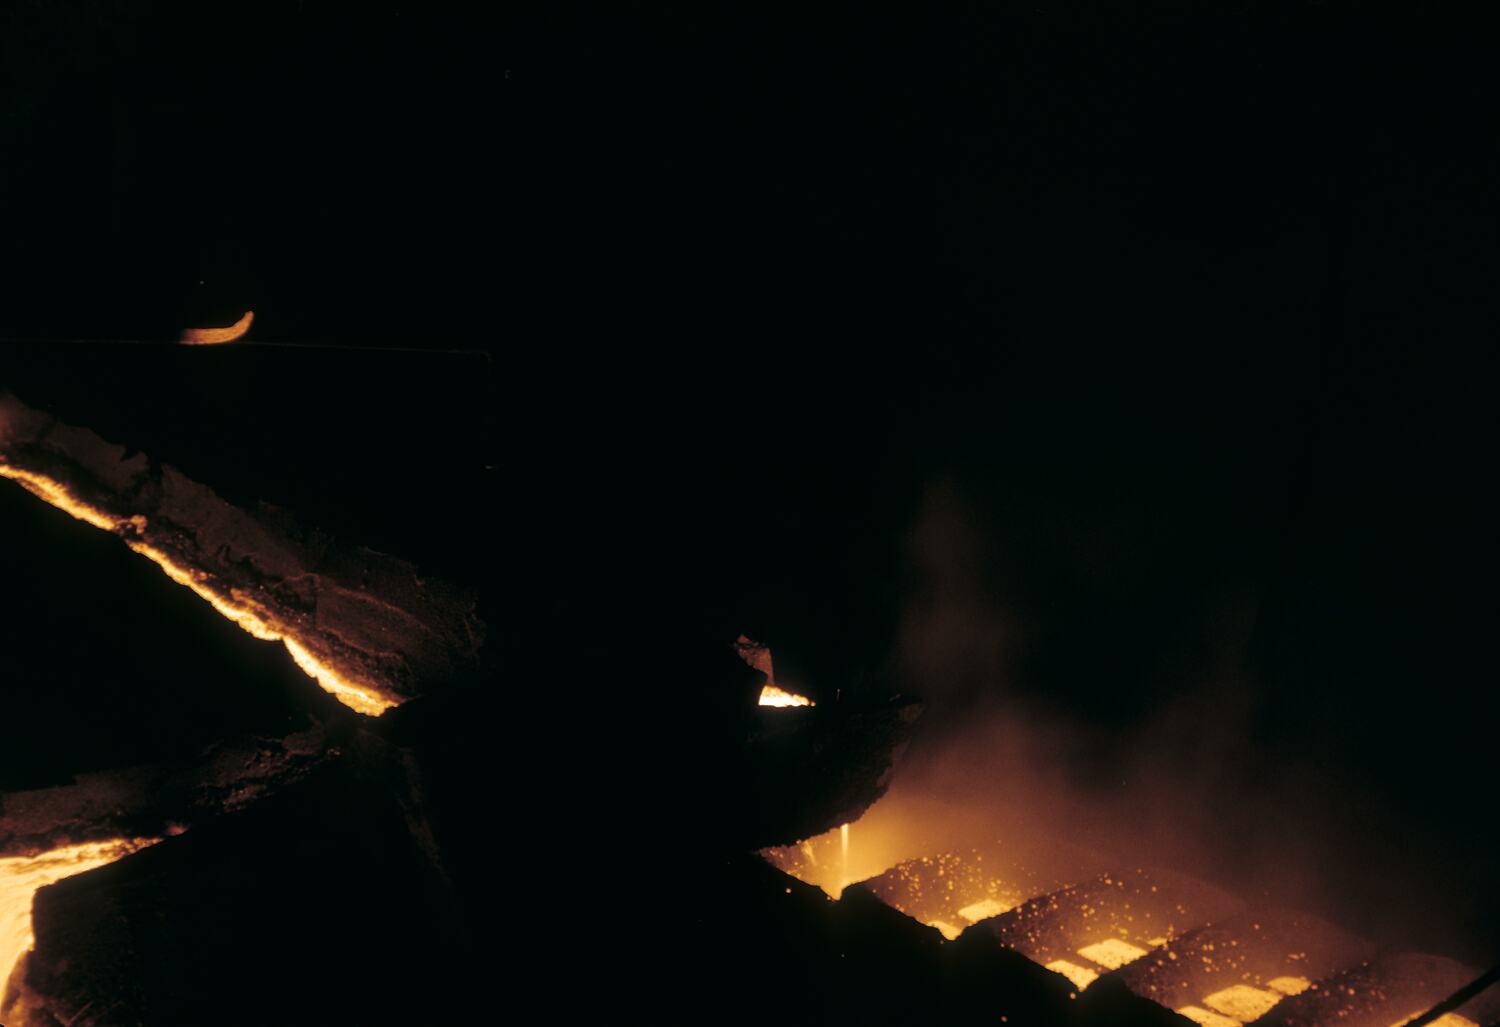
<point x="1194" y="772"/>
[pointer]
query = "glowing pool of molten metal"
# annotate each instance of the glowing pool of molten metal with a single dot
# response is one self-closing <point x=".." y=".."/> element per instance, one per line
<point x="21" y="876"/>
<point x="351" y="694"/>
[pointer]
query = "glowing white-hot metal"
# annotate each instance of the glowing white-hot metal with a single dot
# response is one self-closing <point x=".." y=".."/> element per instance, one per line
<point x="844" y="852"/>
<point x="770" y="695"/>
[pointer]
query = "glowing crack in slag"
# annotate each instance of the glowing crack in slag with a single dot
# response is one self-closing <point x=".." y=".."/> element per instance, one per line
<point x="357" y="697"/>
<point x="21" y="876"/>
<point x="217" y="336"/>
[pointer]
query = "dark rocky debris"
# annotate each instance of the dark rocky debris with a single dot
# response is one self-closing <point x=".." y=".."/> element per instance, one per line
<point x="784" y="952"/>
<point x="150" y="801"/>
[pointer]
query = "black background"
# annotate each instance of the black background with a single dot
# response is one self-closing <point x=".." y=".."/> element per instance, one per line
<point x="1190" y="309"/>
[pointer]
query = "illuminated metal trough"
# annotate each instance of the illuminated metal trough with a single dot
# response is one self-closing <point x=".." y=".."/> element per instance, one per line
<point x="1108" y="921"/>
<point x="1243" y="966"/>
<point x="953" y="890"/>
<point x="1185" y="946"/>
<point x="1386" y="992"/>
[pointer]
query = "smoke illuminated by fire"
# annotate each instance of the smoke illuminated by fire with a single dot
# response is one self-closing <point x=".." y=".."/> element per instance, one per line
<point x="234" y="607"/>
<point x="21" y="876"/>
<point x="892" y="830"/>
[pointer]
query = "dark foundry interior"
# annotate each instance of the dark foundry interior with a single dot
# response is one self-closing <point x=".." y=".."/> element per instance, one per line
<point x="959" y="514"/>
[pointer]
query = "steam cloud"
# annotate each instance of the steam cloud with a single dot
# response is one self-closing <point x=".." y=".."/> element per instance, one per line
<point x="1199" y="776"/>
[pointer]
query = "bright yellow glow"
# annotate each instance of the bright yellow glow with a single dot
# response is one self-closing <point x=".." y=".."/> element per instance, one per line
<point x="21" y="876"/>
<point x="216" y="336"/>
<point x="843" y="856"/>
<point x="1446" y="1020"/>
<point x="1081" y="976"/>
<point x="1112" y="953"/>
<point x="947" y="930"/>
<point x="1199" y="1015"/>
<point x="770" y="695"/>
<point x="983" y="910"/>
<point x="356" y="697"/>
<point x="1289" y="985"/>
<point x="235" y="607"/>
<point x="1242" y="1002"/>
